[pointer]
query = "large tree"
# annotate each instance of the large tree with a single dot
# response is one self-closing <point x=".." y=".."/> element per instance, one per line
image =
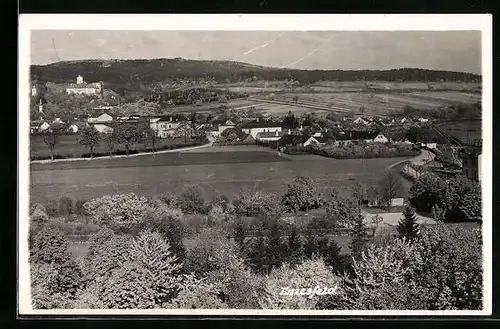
<point x="90" y="137"/>
<point x="359" y="237"/>
<point x="128" y="135"/>
<point x="428" y="190"/>
<point x="301" y="195"/>
<point x="390" y="185"/>
<point x="51" y="139"/>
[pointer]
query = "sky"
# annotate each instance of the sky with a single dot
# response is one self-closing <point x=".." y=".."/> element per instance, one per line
<point x="343" y="50"/>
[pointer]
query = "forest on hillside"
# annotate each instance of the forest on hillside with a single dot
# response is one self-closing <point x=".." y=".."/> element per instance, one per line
<point x="132" y="75"/>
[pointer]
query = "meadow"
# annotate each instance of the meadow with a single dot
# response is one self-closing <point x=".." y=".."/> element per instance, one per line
<point x="69" y="146"/>
<point x="214" y="172"/>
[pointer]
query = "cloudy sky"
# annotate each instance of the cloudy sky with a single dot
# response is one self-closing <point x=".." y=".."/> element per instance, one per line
<point x="347" y="50"/>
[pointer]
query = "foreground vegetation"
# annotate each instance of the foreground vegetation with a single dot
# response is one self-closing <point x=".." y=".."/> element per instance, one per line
<point x="186" y="251"/>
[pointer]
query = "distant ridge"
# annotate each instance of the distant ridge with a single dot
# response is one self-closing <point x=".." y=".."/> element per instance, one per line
<point x="125" y="73"/>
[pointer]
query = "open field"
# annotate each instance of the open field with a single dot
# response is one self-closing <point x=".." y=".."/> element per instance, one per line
<point x="378" y="103"/>
<point x="164" y="159"/>
<point x="266" y="171"/>
<point x="68" y="145"/>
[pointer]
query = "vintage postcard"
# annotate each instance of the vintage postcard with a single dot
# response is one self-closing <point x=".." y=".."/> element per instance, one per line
<point x="255" y="165"/>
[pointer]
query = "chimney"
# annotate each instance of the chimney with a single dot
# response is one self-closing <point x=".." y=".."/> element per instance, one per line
<point x="289" y="131"/>
<point x="276" y="133"/>
<point x="170" y="118"/>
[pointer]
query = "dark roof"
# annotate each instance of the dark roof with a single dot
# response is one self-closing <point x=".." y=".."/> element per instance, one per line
<point x="323" y="139"/>
<point x="261" y="124"/>
<point x="175" y="118"/>
<point x="293" y="139"/>
<point x="59" y="126"/>
<point x="269" y="134"/>
<point x="358" y="135"/>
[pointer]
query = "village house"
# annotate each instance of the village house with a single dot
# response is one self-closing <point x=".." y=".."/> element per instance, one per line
<point x="104" y="117"/>
<point x="261" y="126"/>
<point x="354" y="137"/>
<point x="83" y="88"/>
<point x="166" y="126"/>
<point x="103" y="129"/>
<point x="269" y="136"/>
<point x="227" y="125"/>
<point x="471" y="156"/>
<point x="38" y="126"/>
<point x="423" y="120"/>
<point x="361" y="120"/>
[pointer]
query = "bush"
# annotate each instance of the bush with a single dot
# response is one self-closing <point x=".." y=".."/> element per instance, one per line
<point x="80" y="208"/>
<point x="301" y="195"/>
<point x="208" y="251"/>
<point x="192" y="201"/>
<point x="65" y="206"/>
<point x="258" y="203"/>
<point x="52" y="208"/>
<point x="364" y="150"/>
<point x="123" y="212"/>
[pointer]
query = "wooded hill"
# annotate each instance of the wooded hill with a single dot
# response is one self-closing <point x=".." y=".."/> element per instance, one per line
<point x="121" y="75"/>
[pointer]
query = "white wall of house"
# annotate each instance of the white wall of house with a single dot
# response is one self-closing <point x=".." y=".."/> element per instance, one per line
<point x="255" y="131"/>
<point x="44" y="126"/>
<point x="73" y="129"/>
<point x="395" y="202"/>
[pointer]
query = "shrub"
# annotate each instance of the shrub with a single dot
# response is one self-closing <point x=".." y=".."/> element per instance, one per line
<point x="258" y="203"/>
<point x="80" y="208"/>
<point x="301" y="195"/>
<point x="208" y="251"/>
<point x="49" y="246"/>
<point x="52" y="208"/>
<point x="65" y="206"/>
<point x="39" y="215"/>
<point x="122" y="212"/>
<point x="192" y="201"/>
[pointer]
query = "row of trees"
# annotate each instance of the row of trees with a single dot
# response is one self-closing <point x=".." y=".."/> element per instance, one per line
<point x="125" y="134"/>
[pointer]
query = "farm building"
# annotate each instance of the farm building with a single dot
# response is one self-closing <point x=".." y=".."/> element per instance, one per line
<point x="261" y="126"/>
<point x="294" y="140"/>
<point x="361" y="120"/>
<point x="360" y="136"/>
<point x="471" y="161"/>
<point x="103" y="128"/>
<point x="166" y="126"/>
<point x="38" y="126"/>
<point x="269" y="136"/>
<point x="104" y="117"/>
<point x="227" y="125"/>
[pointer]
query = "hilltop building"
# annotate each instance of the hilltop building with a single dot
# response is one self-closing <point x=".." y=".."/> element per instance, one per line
<point x="83" y="88"/>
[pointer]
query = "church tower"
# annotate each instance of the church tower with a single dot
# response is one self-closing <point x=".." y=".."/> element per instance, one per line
<point x="40" y="107"/>
<point x="79" y="80"/>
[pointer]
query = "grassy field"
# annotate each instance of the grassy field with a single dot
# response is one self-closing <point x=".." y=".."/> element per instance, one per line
<point x="175" y="171"/>
<point x="375" y="103"/>
<point x="69" y="145"/>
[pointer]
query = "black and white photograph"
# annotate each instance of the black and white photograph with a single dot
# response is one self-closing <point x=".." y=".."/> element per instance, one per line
<point x="255" y="164"/>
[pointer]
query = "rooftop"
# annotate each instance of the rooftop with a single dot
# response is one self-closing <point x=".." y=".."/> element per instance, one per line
<point x="261" y="124"/>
